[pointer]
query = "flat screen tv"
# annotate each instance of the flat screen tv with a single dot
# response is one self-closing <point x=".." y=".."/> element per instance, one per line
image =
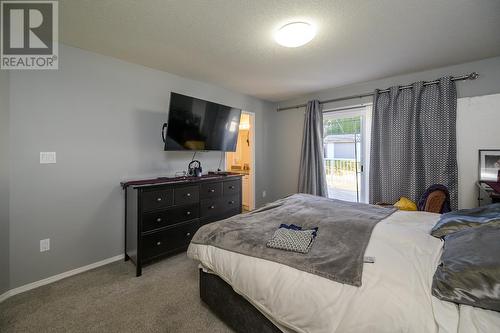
<point x="196" y="124"/>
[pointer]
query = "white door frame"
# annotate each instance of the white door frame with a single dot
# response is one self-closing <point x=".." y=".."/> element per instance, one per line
<point x="252" y="162"/>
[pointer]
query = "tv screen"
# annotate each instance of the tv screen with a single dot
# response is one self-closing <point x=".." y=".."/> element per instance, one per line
<point x="196" y="124"/>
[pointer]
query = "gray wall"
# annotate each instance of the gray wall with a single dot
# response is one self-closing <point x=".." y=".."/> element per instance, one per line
<point x="477" y="127"/>
<point x="488" y="83"/>
<point x="287" y="125"/>
<point x="4" y="181"/>
<point x="103" y="117"/>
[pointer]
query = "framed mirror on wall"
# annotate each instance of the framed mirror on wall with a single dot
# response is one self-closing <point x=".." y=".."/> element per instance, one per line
<point x="489" y="165"/>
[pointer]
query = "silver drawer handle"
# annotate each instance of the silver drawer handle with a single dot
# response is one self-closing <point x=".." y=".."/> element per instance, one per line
<point x="231" y="187"/>
<point x="158" y="199"/>
<point x="158" y="243"/>
<point x="231" y="202"/>
<point x="188" y="194"/>
<point x="188" y="234"/>
<point x="188" y="213"/>
<point x="211" y="207"/>
<point x="158" y="219"/>
<point x="211" y="190"/>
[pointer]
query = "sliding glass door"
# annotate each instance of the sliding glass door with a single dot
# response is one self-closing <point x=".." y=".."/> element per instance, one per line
<point x="345" y="148"/>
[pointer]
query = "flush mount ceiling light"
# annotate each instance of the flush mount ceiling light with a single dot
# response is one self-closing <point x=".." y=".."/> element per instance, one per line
<point x="295" y="34"/>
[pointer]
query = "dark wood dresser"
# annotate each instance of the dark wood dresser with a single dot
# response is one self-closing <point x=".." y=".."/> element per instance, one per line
<point x="162" y="214"/>
<point x="486" y="194"/>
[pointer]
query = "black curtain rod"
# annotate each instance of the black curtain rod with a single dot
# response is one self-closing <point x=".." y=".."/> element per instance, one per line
<point x="470" y="76"/>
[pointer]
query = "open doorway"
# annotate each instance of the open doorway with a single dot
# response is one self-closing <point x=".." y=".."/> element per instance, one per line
<point x="243" y="159"/>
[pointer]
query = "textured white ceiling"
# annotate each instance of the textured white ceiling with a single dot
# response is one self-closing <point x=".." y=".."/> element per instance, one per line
<point x="230" y="42"/>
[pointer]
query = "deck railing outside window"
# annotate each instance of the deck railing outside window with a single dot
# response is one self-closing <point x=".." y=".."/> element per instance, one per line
<point x="341" y="178"/>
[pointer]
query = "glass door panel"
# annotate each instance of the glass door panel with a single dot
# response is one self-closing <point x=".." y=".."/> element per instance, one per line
<point x="343" y="141"/>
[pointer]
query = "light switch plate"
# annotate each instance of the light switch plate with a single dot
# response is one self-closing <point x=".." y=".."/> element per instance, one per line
<point x="47" y="157"/>
<point x="44" y="245"/>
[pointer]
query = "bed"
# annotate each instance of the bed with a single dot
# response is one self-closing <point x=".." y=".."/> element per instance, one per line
<point x="395" y="294"/>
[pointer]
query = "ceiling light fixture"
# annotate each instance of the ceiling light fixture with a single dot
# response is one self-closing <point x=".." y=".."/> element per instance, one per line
<point x="295" y="34"/>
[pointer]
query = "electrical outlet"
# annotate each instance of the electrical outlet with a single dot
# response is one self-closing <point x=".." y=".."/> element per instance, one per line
<point x="264" y="193"/>
<point x="47" y="157"/>
<point x="44" y="245"/>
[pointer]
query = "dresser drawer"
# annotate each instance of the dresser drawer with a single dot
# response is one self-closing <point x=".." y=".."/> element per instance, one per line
<point x="211" y="190"/>
<point x="152" y="200"/>
<point x="186" y="195"/>
<point x="168" y="240"/>
<point x="160" y="219"/>
<point x="231" y="202"/>
<point x="211" y="207"/>
<point x="232" y="187"/>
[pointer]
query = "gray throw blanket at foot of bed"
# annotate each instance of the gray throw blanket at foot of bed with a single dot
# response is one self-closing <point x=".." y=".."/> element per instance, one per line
<point x="344" y="230"/>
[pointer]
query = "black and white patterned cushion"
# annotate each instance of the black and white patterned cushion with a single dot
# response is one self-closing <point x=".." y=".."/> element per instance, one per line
<point x="292" y="240"/>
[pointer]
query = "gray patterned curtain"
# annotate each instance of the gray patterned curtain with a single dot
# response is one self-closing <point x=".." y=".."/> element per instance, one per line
<point x="414" y="141"/>
<point x="312" y="176"/>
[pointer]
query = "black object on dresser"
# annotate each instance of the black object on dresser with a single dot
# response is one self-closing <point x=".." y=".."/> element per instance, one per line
<point x="162" y="214"/>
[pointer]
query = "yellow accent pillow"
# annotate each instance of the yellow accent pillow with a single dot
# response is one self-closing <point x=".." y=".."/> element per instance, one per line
<point x="405" y="204"/>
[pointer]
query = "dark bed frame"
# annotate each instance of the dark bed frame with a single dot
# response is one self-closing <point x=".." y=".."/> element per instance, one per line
<point x="232" y="308"/>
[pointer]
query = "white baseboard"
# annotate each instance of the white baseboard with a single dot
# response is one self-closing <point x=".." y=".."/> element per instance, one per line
<point x="58" y="277"/>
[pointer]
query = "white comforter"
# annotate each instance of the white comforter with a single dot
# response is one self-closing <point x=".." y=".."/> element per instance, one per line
<point x="395" y="295"/>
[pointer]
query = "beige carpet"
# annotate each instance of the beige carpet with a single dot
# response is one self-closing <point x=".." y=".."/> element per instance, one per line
<point x="111" y="299"/>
